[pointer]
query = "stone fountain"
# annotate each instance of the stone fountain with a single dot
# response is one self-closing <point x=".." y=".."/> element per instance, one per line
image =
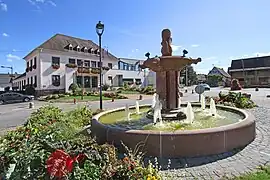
<point x="167" y="68"/>
<point x="193" y="142"/>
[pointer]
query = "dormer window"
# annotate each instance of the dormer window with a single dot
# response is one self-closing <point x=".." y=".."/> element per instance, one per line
<point x="90" y="50"/>
<point x="70" y="47"/>
<point x="96" y="51"/>
<point x="85" y="49"/>
<point x="78" y="49"/>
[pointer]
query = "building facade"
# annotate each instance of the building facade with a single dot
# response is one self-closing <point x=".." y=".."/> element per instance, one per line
<point x="62" y="60"/>
<point x="251" y="72"/>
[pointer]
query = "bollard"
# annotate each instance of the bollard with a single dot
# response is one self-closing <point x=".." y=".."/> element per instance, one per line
<point x="192" y="91"/>
<point x="112" y="99"/>
<point x="31" y="105"/>
<point x="140" y="97"/>
<point x="74" y="101"/>
<point x="256" y="89"/>
<point x="186" y="91"/>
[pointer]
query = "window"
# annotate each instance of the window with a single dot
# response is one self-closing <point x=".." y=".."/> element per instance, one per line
<point x="27" y="81"/>
<point x="31" y="80"/>
<point x="27" y="64"/>
<point x="71" y="61"/>
<point x="132" y="68"/>
<point x="99" y="64"/>
<point x="94" y="81"/>
<point x="110" y="65"/>
<point x="31" y="62"/>
<point x="93" y="64"/>
<point x="86" y="63"/>
<point x="35" y="63"/>
<point x="85" y="49"/>
<point x="79" y="62"/>
<point x="56" y="80"/>
<point x="35" y="85"/>
<point x="86" y="81"/>
<point x="78" y="49"/>
<point x="70" y="47"/>
<point x="56" y="61"/>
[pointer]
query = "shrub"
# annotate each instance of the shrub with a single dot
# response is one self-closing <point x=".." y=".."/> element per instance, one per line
<point x="73" y="87"/>
<point x="105" y="87"/>
<point x="49" y="146"/>
<point x="235" y="85"/>
<point x="30" y="90"/>
<point x="7" y="88"/>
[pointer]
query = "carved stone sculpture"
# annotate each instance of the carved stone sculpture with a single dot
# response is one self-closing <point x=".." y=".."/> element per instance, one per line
<point x="166" y="49"/>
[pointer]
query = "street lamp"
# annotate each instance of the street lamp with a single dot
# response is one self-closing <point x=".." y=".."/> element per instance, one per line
<point x="100" y="30"/>
<point x="11" y="68"/>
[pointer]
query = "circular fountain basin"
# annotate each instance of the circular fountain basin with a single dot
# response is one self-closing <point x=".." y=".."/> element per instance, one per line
<point x="185" y="141"/>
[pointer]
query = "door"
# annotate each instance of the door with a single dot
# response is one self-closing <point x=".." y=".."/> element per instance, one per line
<point x="120" y="80"/>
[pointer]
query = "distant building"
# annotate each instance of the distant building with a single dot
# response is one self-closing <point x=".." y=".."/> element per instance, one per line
<point x="225" y="77"/>
<point x="6" y="80"/>
<point x="201" y="78"/>
<point x="251" y="72"/>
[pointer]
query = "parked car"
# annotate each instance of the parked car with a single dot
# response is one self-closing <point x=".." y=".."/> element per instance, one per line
<point x="11" y="97"/>
<point x="206" y="87"/>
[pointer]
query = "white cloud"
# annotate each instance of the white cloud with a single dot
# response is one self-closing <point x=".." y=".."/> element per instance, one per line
<point x="37" y="2"/>
<point x="210" y="58"/>
<point x="12" y="57"/>
<point x="3" y="6"/>
<point x="52" y="3"/>
<point x="9" y="60"/>
<point x="175" y="47"/>
<point x="195" y="45"/>
<point x="134" y="50"/>
<point x="5" y="35"/>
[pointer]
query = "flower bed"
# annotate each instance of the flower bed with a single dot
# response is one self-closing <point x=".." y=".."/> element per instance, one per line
<point x="50" y="146"/>
<point x="239" y="100"/>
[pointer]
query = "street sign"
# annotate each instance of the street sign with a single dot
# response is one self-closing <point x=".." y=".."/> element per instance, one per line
<point x="199" y="89"/>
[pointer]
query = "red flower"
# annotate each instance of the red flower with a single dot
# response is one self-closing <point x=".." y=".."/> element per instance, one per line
<point x="80" y="157"/>
<point x="59" y="164"/>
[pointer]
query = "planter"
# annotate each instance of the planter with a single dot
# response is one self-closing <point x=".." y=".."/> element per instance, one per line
<point x="71" y="65"/>
<point x="55" y="66"/>
<point x="95" y="70"/>
<point x="84" y="70"/>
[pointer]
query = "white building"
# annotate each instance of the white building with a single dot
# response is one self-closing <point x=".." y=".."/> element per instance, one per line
<point x="54" y="65"/>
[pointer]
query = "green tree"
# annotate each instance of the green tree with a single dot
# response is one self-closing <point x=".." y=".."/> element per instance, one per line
<point x="192" y="76"/>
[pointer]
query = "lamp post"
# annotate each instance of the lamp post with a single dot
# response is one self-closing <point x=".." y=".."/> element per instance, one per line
<point x="11" y="69"/>
<point x="82" y="66"/>
<point x="100" y="30"/>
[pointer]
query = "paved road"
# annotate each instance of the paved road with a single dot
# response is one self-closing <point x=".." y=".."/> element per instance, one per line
<point x="12" y="115"/>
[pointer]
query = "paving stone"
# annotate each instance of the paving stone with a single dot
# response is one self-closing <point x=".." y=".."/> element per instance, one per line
<point x="237" y="162"/>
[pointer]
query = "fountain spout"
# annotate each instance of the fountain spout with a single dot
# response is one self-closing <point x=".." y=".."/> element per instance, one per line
<point x="202" y="102"/>
<point x="213" y="109"/>
<point x="127" y="112"/>
<point x="190" y="113"/>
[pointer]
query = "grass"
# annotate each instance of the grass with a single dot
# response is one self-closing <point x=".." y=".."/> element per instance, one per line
<point x="78" y="98"/>
<point x="262" y="174"/>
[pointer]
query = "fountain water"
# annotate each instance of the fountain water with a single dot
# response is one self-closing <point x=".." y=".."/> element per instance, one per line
<point x="157" y="106"/>
<point x="213" y="109"/>
<point x="189" y="113"/>
<point x="202" y="102"/>
<point x="137" y="107"/>
<point x="127" y="112"/>
<point x="179" y="103"/>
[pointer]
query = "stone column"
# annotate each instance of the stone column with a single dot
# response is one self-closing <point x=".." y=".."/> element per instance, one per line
<point x="167" y="88"/>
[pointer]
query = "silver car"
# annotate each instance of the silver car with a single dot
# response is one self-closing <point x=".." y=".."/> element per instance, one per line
<point x="11" y="97"/>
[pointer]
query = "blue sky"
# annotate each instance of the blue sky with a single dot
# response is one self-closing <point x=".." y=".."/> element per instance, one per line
<point x="217" y="31"/>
